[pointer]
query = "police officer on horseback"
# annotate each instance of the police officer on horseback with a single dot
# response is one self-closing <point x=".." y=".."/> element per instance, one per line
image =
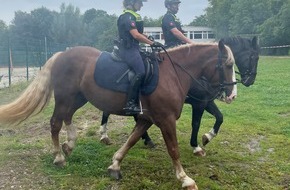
<point x="171" y="27"/>
<point x="130" y="29"/>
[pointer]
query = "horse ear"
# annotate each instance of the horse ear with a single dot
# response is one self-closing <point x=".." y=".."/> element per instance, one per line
<point x="221" y="46"/>
<point x="255" y="42"/>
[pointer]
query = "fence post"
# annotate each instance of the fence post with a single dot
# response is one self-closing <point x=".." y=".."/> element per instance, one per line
<point x="26" y="59"/>
<point x="9" y="61"/>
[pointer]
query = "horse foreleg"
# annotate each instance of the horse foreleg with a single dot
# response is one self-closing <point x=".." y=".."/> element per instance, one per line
<point x="68" y="146"/>
<point x="214" y="110"/>
<point x="140" y="127"/>
<point x="56" y="125"/>
<point x="103" y="129"/>
<point x="168" y="129"/>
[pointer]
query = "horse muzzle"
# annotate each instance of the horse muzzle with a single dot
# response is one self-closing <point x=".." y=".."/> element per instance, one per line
<point x="229" y="99"/>
<point x="248" y="80"/>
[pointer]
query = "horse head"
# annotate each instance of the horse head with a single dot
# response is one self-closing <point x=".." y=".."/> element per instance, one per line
<point x="221" y="77"/>
<point x="226" y="72"/>
<point x="246" y="53"/>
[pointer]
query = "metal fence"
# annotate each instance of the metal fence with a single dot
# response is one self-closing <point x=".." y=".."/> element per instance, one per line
<point x="20" y="62"/>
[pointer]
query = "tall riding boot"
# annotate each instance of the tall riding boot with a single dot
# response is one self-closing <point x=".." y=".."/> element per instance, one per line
<point x="132" y="105"/>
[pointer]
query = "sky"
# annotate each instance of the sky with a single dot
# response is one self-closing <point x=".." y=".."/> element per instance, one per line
<point x="188" y="9"/>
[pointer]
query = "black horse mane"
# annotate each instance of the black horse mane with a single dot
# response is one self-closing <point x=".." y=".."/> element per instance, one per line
<point x="238" y="43"/>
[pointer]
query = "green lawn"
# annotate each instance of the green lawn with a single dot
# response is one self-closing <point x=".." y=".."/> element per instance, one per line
<point x="250" y="152"/>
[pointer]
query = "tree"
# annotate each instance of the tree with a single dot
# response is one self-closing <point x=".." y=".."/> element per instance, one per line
<point x="276" y="29"/>
<point x="3" y="32"/>
<point x="219" y="16"/>
<point x="247" y="15"/>
<point x="100" y="29"/>
<point x="200" y="21"/>
<point x="150" y="22"/>
<point x="21" y="28"/>
<point x="42" y="21"/>
<point x="68" y="27"/>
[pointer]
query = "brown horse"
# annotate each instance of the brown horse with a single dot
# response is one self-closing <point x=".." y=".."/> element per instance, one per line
<point x="70" y="75"/>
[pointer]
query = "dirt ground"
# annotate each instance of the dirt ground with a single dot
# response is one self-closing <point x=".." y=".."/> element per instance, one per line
<point x="22" y="170"/>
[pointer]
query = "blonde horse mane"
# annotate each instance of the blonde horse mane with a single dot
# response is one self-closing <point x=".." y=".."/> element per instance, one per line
<point x="33" y="99"/>
<point x="230" y="56"/>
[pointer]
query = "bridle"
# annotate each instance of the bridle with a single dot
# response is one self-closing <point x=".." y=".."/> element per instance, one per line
<point x="219" y="66"/>
<point x="250" y="70"/>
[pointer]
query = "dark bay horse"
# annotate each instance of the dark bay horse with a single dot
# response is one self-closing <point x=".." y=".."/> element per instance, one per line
<point x="201" y="95"/>
<point x="70" y="75"/>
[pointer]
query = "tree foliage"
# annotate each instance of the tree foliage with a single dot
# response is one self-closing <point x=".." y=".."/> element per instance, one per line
<point x="267" y="19"/>
<point x="3" y="31"/>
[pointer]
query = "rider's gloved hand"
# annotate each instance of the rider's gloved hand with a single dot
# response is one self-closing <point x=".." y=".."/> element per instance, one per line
<point x="157" y="44"/>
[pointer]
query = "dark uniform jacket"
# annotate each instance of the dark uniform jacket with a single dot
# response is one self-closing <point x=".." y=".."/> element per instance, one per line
<point x="127" y="21"/>
<point x="170" y="21"/>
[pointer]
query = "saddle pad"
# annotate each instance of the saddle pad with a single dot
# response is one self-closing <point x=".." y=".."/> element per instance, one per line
<point x="109" y="74"/>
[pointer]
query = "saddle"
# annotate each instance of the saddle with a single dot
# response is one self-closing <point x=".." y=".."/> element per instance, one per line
<point x="112" y="73"/>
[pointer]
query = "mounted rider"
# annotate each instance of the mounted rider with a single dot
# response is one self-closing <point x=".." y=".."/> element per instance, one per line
<point x="130" y="29"/>
<point x="171" y="26"/>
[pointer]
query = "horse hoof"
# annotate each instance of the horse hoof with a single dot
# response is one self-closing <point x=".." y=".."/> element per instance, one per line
<point x="66" y="149"/>
<point x="193" y="187"/>
<point x="149" y="144"/>
<point x="205" y="140"/>
<point x="59" y="163"/>
<point x="106" y="141"/>
<point x="200" y="153"/>
<point x="116" y="174"/>
<point x="59" y="160"/>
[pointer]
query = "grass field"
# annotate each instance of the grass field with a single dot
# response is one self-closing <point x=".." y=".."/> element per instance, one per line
<point x="251" y="152"/>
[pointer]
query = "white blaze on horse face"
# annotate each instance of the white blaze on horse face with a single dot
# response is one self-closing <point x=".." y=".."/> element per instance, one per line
<point x="234" y="93"/>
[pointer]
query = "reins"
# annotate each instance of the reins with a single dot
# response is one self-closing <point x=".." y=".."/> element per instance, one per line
<point x="219" y="66"/>
<point x="182" y="68"/>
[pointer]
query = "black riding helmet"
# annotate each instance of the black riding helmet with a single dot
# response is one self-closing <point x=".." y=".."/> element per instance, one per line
<point x="169" y="2"/>
<point x="131" y="2"/>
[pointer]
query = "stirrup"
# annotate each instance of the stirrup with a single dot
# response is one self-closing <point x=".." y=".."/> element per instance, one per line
<point x="133" y="109"/>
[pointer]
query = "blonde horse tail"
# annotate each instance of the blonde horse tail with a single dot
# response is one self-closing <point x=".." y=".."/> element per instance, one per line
<point x="33" y="99"/>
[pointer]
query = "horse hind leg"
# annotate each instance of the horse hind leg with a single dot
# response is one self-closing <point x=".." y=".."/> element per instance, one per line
<point x="103" y="129"/>
<point x="71" y="129"/>
<point x="63" y="112"/>
<point x="56" y="124"/>
<point x="68" y="146"/>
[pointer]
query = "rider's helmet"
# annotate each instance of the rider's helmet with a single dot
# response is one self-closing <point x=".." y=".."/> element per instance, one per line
<point x="169" y="2"/>
<point x="131" y="2"/>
